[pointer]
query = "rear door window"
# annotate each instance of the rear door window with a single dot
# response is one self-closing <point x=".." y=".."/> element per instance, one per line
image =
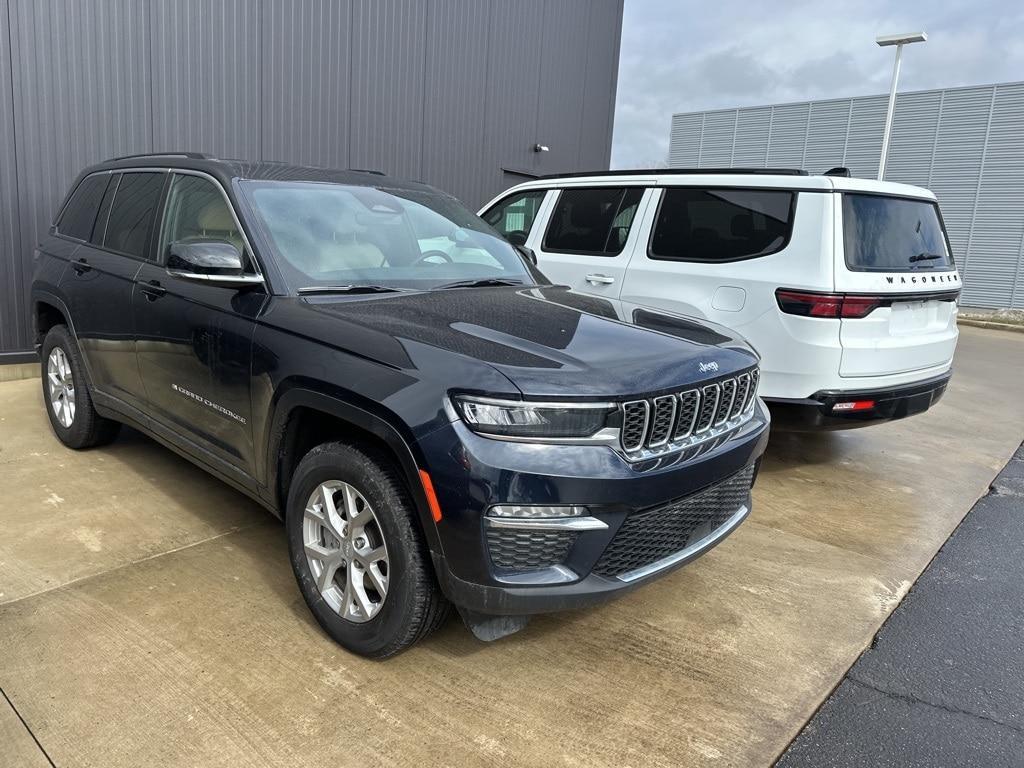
<point x="893" y="234"/>
<point x="718" y="225"/>
<point x="594" y="222"/>
<point x="130" y="222"/>
<point x="79" y="214"/>
<point x="513" y="217"/>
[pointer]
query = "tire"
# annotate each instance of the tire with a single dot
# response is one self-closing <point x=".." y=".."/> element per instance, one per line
<point x="374" y="625"/>
<point x="67" y="396"/>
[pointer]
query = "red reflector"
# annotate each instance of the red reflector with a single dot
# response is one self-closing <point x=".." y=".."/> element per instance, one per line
<point x="854" y="405"/>
<point x="428" y="489"/>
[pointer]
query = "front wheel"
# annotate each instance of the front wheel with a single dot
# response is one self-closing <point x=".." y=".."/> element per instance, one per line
<point x="360" y="560"/>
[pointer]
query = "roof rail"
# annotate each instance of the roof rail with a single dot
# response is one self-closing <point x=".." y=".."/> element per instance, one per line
<point x="839" y="170"/>
<point x="681" y="172"/>
<point x="368" y="170"/>
<point x="189" y="155"/>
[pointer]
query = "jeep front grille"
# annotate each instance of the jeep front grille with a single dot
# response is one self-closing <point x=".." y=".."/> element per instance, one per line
<point x="671" y="422"/>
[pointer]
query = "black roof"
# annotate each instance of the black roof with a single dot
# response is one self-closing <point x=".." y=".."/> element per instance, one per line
<point x="225" y="170"/>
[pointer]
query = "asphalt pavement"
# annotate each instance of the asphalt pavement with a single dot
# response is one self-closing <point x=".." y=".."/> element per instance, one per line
<point x="943" y="682"/>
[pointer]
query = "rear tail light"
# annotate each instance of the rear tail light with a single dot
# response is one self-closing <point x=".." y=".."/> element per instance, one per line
<point x="828" y="304"/>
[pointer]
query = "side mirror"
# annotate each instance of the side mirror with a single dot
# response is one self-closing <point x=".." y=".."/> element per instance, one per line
<point x="528" y="253"/>
<point x="213" y="262"/>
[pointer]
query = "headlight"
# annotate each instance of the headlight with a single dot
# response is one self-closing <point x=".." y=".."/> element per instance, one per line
<point x="544" y="421"/>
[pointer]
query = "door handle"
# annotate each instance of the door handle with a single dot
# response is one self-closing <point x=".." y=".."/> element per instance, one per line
<point x="81" y="266"/>
<point x="595" y="279"/>
<point x="152" y="289"/>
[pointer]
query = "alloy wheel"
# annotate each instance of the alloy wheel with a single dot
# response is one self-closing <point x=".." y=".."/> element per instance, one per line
<point x="61" y="383"/>
<point x="345" y="550"/>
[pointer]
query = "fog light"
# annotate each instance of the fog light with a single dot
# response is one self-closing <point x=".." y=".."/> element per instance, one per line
<point x="534" y="512"/>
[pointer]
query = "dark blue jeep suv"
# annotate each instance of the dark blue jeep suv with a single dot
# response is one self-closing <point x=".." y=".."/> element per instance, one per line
<point x="435" y="422"/>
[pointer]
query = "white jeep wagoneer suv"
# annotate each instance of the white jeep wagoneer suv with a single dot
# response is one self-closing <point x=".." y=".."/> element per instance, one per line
<point x="846" y="287"/>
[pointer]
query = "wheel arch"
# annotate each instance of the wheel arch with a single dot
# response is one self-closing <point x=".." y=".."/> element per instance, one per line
<point x="303" y="417"/>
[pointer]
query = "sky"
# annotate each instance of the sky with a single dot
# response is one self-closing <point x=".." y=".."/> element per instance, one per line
<point x="693" y="55"/>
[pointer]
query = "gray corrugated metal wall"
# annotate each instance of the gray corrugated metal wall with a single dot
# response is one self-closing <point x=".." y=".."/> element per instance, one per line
<point x="965" y="144"/>
<point x="448" y="91"/>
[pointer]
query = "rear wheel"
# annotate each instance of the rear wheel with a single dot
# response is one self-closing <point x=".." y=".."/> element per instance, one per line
<point x="360" y="560"/>
<point x="66" y="394"/>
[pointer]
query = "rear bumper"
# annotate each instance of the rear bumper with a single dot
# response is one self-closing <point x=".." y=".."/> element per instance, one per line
<point x="818" y="412"/>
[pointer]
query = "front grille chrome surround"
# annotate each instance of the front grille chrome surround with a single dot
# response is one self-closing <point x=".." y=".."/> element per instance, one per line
<point x="670" y="423"/>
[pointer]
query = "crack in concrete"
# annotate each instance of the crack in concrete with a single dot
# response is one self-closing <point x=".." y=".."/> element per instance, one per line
<point x="911" y="699"/>
<point x="129" y="564"/>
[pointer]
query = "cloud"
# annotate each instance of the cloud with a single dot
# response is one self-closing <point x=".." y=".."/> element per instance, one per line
<point x="692" y="56"/>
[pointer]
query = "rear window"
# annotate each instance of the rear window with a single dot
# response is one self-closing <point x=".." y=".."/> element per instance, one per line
<point x="80" y="213"/>
<point x="714" y="225"/>
<point x="594" y="222"/>
<point x="893" y="234"/>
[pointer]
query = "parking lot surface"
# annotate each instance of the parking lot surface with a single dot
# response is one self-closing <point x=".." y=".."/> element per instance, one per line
<point x="148" y="615"/>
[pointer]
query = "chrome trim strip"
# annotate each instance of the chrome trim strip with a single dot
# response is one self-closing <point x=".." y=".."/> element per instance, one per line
<point x="691" y="551"/>
<point x="547" y="523"/>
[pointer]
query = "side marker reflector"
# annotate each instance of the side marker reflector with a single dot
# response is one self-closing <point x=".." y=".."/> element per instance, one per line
<point x="854" y="405"/>
<point x="428" y="489"/>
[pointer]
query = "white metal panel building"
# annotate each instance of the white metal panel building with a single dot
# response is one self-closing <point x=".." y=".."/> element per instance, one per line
<point x="965" y="144"/>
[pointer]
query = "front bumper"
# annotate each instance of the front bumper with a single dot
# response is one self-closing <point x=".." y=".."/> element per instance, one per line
<point x="819" y="412"/>
<point x="471" y="473"/>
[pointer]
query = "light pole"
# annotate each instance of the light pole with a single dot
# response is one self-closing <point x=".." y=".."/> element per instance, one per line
<point x="899" y="41"/>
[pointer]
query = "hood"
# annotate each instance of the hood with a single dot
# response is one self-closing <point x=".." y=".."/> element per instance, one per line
<point x="549" y="342"/>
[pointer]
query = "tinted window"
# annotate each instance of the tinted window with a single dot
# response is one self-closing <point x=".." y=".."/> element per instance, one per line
<point x="592" y="221"/>
<point x="131" y="215"/>
<point x="80" y="213"/>
<point x="893" y="234"/>
<point x="99" y="229"/>
<point x="196" y="210"/>
<point x="721" y="224"/>
<point x="514" y="216"/>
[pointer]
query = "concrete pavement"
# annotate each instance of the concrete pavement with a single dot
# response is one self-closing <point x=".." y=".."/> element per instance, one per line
<point x="149" y="615"/>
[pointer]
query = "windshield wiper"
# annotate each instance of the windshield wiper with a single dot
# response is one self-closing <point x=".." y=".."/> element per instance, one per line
<point x="485" y="282"/>
<point x="314" y="289"/>
<point x="926" y="257"/>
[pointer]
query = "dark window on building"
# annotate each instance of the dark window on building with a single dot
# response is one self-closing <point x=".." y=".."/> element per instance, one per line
<point x="100" y="227"/>
<point x="893" y="234"/>
<point x="592" y="221"/>
<point x="80" y="213"/>
<point x="131" y="215"/>
<point x="721" y="224"/>
<point x="513" y="217"/>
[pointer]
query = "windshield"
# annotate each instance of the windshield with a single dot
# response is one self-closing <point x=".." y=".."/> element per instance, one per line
<point x="339" y="235"/>
<point x="893" y="234"/>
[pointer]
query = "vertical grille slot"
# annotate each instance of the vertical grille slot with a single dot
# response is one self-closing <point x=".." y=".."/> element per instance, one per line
<point x="755" y="376"/>
<point x="689" y="405"/>
<point x="709" y="395"/>
<point x="725" y="405"/>
<point x="635" y="415"/>
<point x="662" y="421"/>
<point x="740" y="401"/>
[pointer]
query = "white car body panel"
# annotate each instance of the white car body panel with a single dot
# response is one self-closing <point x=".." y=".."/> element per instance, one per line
<point x="893" y="346"/>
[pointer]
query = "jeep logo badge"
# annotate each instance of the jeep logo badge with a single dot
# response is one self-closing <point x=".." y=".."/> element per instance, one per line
<point x="705" y="367"/>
